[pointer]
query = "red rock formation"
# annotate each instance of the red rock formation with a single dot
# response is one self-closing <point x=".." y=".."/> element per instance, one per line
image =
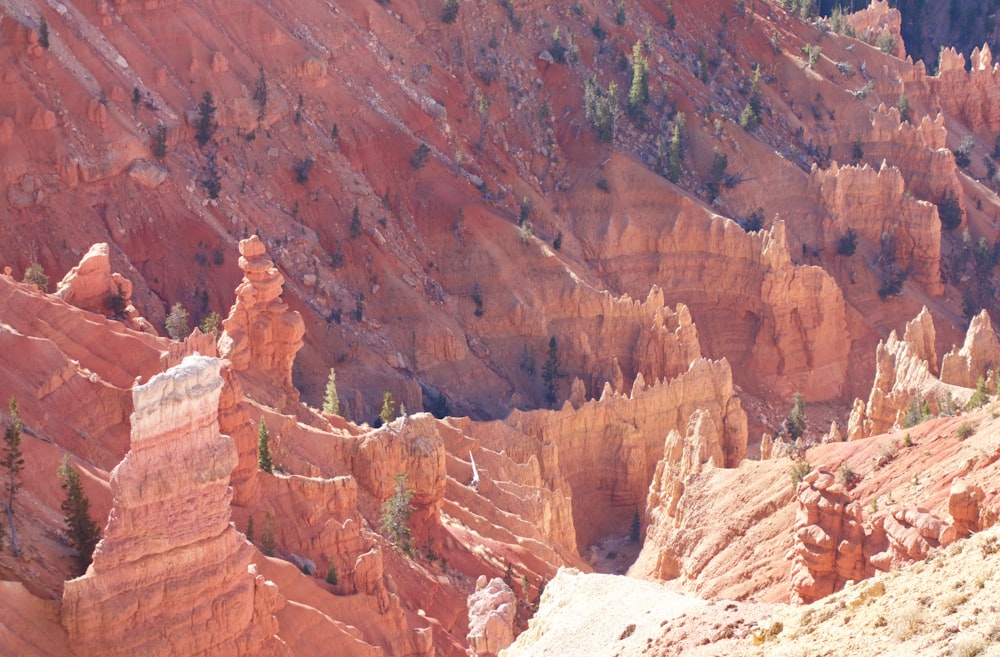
<point x="978" y="357"/>
<point x="829" y="539"/>
<point x="904" y="374"/>
<point x="876" y="19"/>
<point x="91" y="285"/>
<point x="170" y="523"/>
<point x="492" y="608"/>
<point x="859" y="199"/>
<point x="261" y="335"/>
<point x="965" y="507"/>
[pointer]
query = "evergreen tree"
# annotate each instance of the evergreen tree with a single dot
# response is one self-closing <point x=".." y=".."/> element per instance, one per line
<point x="750" y="117"/>
<point x="84" y="534"/>
<point x="211" y="180"/>
<point x="13" y="459"/>
<point x="250" y="529"/>
<point x="396" y="516"/>
<point x="796" y="423"/>
<point x="264" y="448"/>
<point x="636" y="530"/>
<point x="177" y="323"/>
<point x="206" y="119"/>
<point x="551" y="373"/>
<point x="638" y="94"/>
<point x="331" y="574"/>
<point x="331" y="401"/>
<point x="136" y="99"/>
<point x="211" y="324"/>
<point x="674" y="157"/>
<point x="43" y="32"/>
<point x="388" y="409"/>
<point x="13" y="462"/>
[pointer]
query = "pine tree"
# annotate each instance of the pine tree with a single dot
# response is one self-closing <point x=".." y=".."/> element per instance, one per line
<point x="797" y="418"/>
<point x="13" y="459"/>
<point x="260" y="94"/>
<point x="264" y="448"/>
<point x="331" y="401"/>
<point x="904" y="108"/>
<point x="84" y="534"/>
<point x="13" y="462"/>
<point x="674" y="157"/>
<point x="551" y="373"/>
<point x="249" y="532"/>
<point x="638" y="94"/>
<point x="636" y="530"/>
<point x="43" y="32"/>
<point x="206" y="119"/>
<point x="388" y="409"/>
<point x="396" y="516"/>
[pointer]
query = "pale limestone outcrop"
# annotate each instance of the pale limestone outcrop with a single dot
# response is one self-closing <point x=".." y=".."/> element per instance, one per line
<point x="492" y="609"/>
<point x="261" y="335"/>
<point x="979" y="356"/>
<point x="91" y="285"/>
<point x="170" y="523"/>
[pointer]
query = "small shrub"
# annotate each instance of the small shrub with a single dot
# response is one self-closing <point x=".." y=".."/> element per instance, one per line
<point x="753" y="223"/>
<point x="419" y="157"/>
<point x="177" y="323"/>
<point x="450" y="12"/>
<point x="848" y="243"/>
<point x="798" y="472"/>
<point x="886" y="42"/>
<point x="964" y="430"/>
<point x="302" y="169"/>
<point x="847" y="476"/>
<point x="331" y="400"/>
<point x="857" y="151"/>
<point x="620" y="14"/>
<point x="907" y="440"/>
<point x="557" y="242"/>
<point x="557" y="49"/>
<point x="602" y="184"/>
<point x="355" y="223"/>
<point x="886" y="453"/>
<point x="599" y="32"/>
<point x="117" y="303"/>
<point x="35" y="275"/>
<point x="963" y="152"/>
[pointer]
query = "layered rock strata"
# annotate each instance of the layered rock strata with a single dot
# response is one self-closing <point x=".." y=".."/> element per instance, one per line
<point x="170" y="565"/>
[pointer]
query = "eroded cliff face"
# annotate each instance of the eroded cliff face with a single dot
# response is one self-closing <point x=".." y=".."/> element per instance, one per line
<point x="170" y="523"/>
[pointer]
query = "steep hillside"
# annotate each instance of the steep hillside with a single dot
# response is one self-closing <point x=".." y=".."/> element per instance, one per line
<point x="605" y="245"/>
